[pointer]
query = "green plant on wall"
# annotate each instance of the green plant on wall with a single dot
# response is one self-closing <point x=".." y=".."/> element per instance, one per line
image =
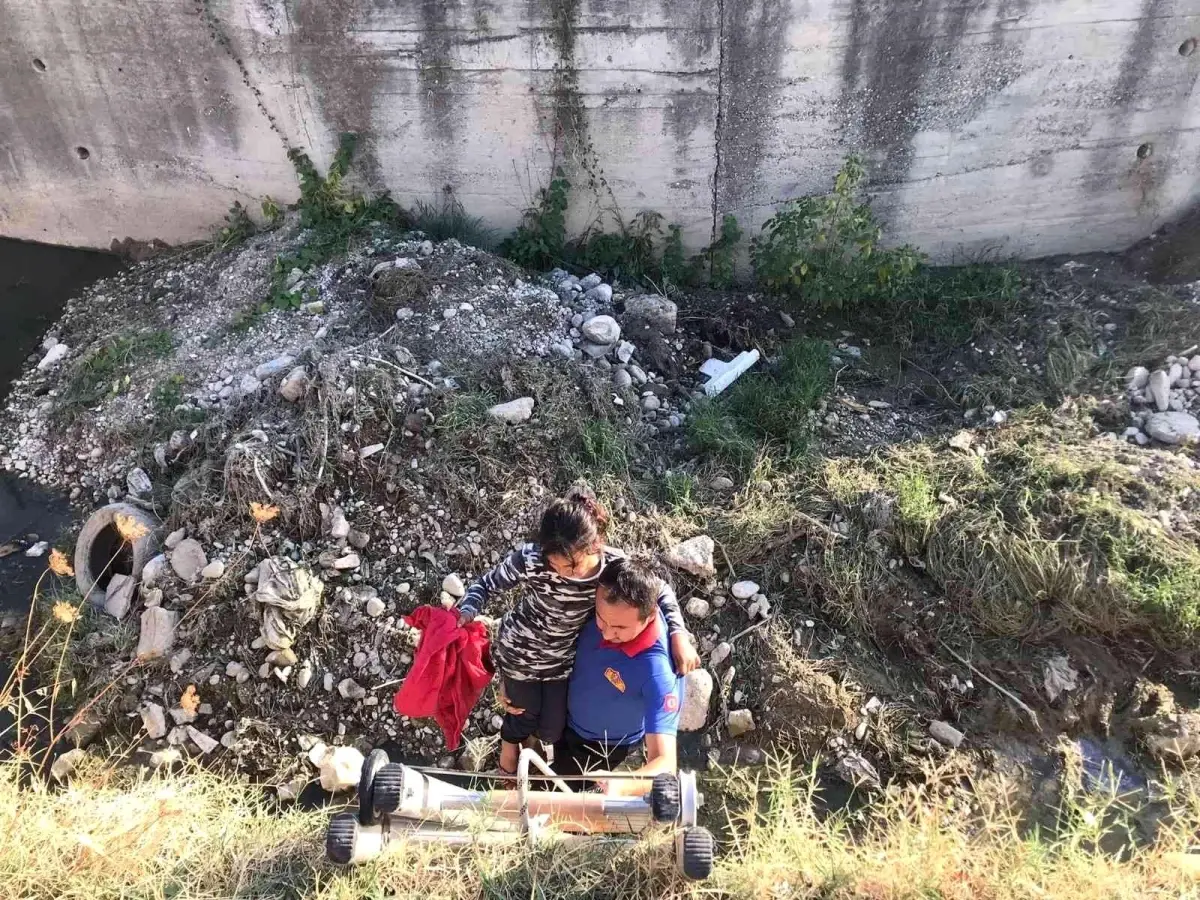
<point x="540" y="240"/>
<point x="825" y="250"/>
<point x="721" y="254"/>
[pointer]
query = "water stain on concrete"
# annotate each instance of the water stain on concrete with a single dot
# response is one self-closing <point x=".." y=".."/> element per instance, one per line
<point x="753" y="41"/>
<point x="345" y="73"/>
<point x="435" y="68"/>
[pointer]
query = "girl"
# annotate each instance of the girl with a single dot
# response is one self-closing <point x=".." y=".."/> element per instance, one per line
<point x="535" y="648"/>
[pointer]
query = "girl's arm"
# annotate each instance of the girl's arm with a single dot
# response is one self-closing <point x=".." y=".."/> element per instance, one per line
<point x="506" y="575"/>
<point x="683" y="648"/>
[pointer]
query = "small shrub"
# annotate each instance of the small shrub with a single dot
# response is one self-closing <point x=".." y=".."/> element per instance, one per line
<point x="238" y="226"/>
<point x="825" y="252"/>
<point x="626" y="253"/>
<point x="167" y="394"/>
<point x="450" y="219"/>
<point x="677" y="490"/>
<point x="106" y="371"/>
<point x="603" y="450"/>
<point x="721" y="255"/>
<point x="676" y="269"/>
<point x="540" y="240"/>
<point x="272" y="211"/>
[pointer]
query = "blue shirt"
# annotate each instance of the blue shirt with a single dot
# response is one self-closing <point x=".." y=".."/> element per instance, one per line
<point x="620" y="692"/>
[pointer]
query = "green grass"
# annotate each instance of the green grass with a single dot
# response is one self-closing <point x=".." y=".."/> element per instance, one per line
<point x="767" y="411"/>
<point x="167" y="394"/>
<point x="449" y="219"/>
<point x="948" y="306"/>
<point x="106" y="371"/>
<point x="462" y="411"/>
<point x="678" y="491"/>
<point x="603" y="450"/>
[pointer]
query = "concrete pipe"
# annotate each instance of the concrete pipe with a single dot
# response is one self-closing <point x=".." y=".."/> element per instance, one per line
<point x="101" y="552"/>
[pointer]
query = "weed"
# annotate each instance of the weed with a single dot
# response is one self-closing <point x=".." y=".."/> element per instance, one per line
<point x="825" y="251"/>
<point x="678" y="491"/>
<point x="627" y="253"/>
<point x="540" y="240"/>
<point x="713" y="431"/>
<point x="167" y="394"/>
<point x="720" y="257"/>
<point x="677" y="271"/>
<point x="272" y="211"/>
<point x="450" y="219"/>
<point x="238" y="226"/>
<point x="105" y="372"/>
<point x="603" y="450"/>
<point x="463" y="410"/>
<point x="948" y="306"/>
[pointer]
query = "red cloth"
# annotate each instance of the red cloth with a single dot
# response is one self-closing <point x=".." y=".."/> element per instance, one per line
<point x="450" y="671"/>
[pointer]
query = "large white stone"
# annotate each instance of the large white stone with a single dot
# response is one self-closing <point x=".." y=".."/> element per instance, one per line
<point x="157" y="635"/>
<point x="694" y="556"/>
<point x="188" y="559"/>
<point x="657" y="312"/>
<point x="154" y="720"/>
<point x="697" y="694"/>
<point x="602" y="330"/>
<point x="739" y="722"/>
<point x="514" y="412"/>
<point x="341" y="769"/>
<point x="1160" y="389"/>
<point x="744" y="590"/>
<point x="1172" y="427"/>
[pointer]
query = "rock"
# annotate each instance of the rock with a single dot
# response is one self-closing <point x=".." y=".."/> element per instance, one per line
<point x="651" y="403"/>
<point x="593" y="350"/>
<point x="64" y="767"/>
<point x="347" y="562"/>
<point x="294" y="386"/>
<point x="720" y="653"/>
<point x="625" y="351"/>
<point x="694" y="556"/>
<point x="744" y="590"/>
<point x="1176" y="737"/>
<point x="341" y="769"/>
<point x="513" y="412"/>
<point x="138" y="483"/>
<point x="945" y="733"/>
<point x="188" y="559"/>
<point x="174" y="538"/>
<point x="854" y="769"/>
<point x="1194" y="364"/>
<point x="1159" y="387"/>
<point x="38" y="549"/>
<point x="249" y="385"/>
<point x="181" y="716"/>
<point x="1059" y="676"/>
<point x="1137" y="378"/>
<point x="453" y="586"/>
<point x="600" y="295"/>
<point x="638" y="375"/>
<point x="53" y="357"/>
<point x="1172" y="427"/>
<point x="1175" y="374"/>
<point x="602" y="330"/>
<point x="760" y="608"/>
<point x="722" y="484"/>
<point x="213" y="571"/>
<point x="118" y="597"/>
<point x="622" y="379"/>
<point x="154" y="720"/>
<point x="304" y="675"/>
<point x="179" y="660"/>
<point x="274" y="367"/>
<point x="291" y="790"/>
<point x="282" y="658"/>
<point x="351" y="689"/>
<point x="698" y="608"/>
<point x="697" y="695"/>
<point x="590" y="281"/>
<point x="657" y="312"/>
<point x="375" y="607"/>
<point x="739" y="722"/>
<point x="157" y="636"/>
<point x="161" y="759"/>
<point x="339" y="527"/>
<point x="203" y="742"/>
<point x="154" y="570"/>
<point x="237" y="671"/>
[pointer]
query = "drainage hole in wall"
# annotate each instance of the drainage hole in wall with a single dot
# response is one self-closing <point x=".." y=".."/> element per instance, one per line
<point x="84" y="152"/>
<point x="1188" y="47"/>
<point x="1145" y="151"/>
<point x="41" y="66"/>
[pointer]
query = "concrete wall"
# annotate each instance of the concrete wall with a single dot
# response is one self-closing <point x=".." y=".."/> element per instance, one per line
<point x="993" y="127"/>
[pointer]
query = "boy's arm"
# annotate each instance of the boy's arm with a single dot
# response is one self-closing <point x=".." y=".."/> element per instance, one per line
<point x="683" y="647"/>
<point x="506" y="575"/>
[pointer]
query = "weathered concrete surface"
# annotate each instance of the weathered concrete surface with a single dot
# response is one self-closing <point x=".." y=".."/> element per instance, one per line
<point x="1003" y="127"/>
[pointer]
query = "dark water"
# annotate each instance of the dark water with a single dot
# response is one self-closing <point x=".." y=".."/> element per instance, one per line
<point x="35" y="283"/>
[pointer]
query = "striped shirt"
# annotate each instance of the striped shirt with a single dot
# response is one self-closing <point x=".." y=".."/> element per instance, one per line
<point x="536" y="641"/>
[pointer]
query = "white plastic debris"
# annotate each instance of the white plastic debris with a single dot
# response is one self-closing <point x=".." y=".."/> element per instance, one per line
<point x="722" y="374"/>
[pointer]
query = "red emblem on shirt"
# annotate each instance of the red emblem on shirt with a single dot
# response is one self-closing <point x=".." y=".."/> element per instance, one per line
<point x="615" y="679"/>
<point x="671" y="703"/>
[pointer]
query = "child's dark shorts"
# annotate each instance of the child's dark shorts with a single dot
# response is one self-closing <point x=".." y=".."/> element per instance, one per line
<point x="545" y="715"/>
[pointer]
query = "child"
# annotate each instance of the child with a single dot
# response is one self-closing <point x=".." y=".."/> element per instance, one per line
<point x="535" y="648"/>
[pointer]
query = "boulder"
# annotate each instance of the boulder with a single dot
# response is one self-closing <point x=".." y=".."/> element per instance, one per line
<point x="1137" y="378"/>
<point x="698" y="608"/>
<point x="157" y="636"/>
<point x="514" y="412"/>
<point x="694" y="556"/>
<point x="744" y="590"/>
<point x="118" y="596"/>
<point x="138" y="483"/>
<point x="1159" y="387"/>
<point x="188" y="559"/>
<point x="453" y="585"/>
<point x="154" y="720"/>
<point x="1172" y="427"/>
<point x="64" y="767"/>
<point x="602" y="330"/>
<point x="945" y="734"/>
<point x="53" y="357"/>
<point x="697" y="695"/>
<point x="739" y="722"/>
<point x="294" y="386"/>
<point x="274" y="367"/>
<point x="341" y="769"/>
<point x="657" y="312"/>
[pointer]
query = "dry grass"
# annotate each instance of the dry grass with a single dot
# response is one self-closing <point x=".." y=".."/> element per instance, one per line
<point x="193" y="834"/>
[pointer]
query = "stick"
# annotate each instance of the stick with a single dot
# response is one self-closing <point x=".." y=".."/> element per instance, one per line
<point x="1003" y="690"/>
<point x="423" y="381"/>
<point x="754" y="627"/>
